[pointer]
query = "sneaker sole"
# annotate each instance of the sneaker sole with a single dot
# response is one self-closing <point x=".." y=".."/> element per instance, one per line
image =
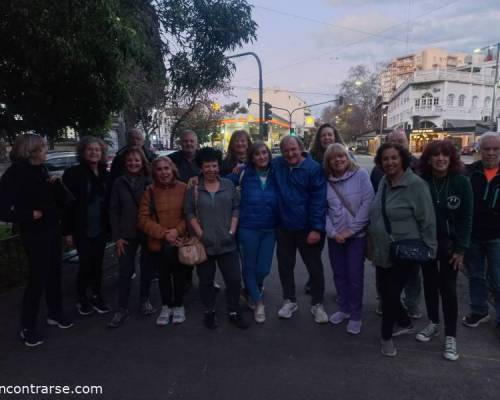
<point x="178" y="321"/>
<point x="450" y="357"/>
<point x="408" y="331"/>
<point x="425" y="339"/>
<point x="389" y="354"/>
<point x="100" y="311"/>
<point x="53" y="322"/>
<point x="486" y="318"/>
<point x="28" y="344"/>
<point x="85" y="313"/>
<point x="291" y="313"/>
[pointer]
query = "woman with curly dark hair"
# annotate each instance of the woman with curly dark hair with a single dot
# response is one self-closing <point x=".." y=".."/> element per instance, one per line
<point x="325" y="136"/>
<point x="451" y="193"/>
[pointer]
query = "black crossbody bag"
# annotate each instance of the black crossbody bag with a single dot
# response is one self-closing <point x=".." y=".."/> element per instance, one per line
<point x="407" y="250"/>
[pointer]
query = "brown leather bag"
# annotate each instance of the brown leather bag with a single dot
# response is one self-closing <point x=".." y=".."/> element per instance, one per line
<point x="192" y="252"/>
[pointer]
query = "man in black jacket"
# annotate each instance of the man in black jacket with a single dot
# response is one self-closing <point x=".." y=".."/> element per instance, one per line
<point x="483" y="256"/>
<point x="185" y="158"/>
<point x="135" y="139"/>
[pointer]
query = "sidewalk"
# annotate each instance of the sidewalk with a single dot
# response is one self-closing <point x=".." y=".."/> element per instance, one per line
<point x="294" y="359"/>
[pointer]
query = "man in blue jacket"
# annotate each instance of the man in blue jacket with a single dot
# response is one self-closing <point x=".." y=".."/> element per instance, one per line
<point x="302" y="207"/>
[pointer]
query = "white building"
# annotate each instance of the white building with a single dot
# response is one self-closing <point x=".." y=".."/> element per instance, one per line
<point x="443" y="98"/>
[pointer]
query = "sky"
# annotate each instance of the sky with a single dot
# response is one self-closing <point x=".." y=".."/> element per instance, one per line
<point x="309" y="46"/>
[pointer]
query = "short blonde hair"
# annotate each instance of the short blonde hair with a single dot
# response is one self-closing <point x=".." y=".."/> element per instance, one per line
<point x="334" y="149"/>
<point x="169" y="161"/>
<point x="26" y="147"/>
<point x="82" y="146"/>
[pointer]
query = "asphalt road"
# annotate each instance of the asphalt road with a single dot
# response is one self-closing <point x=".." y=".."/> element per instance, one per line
<point x="282" y="359"/>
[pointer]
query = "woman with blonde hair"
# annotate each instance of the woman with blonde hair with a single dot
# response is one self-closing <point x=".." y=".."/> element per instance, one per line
<point x="162" y="220"/>
<point x="31" y="199"/>
<point x="349" y="197"/>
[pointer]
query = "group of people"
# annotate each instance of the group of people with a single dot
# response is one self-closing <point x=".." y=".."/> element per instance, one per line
<point x="245" y="205"/>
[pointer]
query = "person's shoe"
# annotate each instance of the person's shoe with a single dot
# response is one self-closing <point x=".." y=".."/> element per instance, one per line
<point x="387" y="348"/>
<point x="338" y="317"/>
<point x="287" y="309"/>
<point x="134" y="275"/>
<point x="84" y="308"/>
<point x="450" y="348"/>
<point x="164" y="317"/>
<point x="260" y="313"/>
<point x="147" y="308"/>
<point x="473" y="320"/>
<point x="31" y="338"/>
<point x="118" y="319"/>
<point x="61" y="322"/>
<point x="237" y="320"/>
<point x="354" y="327"/>
<point x="178" y="315"/>
<point x="99" y="305"/>
<point x="399" y="330"/>
<point x="414" y="312"/>
<point x="320" y="316"/>
<point x="209" y="320"/>
<point x="428" y="332"/>
<point x="378" y="310"/>
<point x="216" y="287"/>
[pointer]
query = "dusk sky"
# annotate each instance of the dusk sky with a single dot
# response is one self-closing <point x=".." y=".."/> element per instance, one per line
<point x="308" y="46"/>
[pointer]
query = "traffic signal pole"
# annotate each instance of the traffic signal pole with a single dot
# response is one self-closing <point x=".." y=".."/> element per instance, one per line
<point x="261" y="89"/>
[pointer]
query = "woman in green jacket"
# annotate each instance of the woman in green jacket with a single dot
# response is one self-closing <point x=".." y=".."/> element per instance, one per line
<point x="451" y="194"/>
<point x="408" y="205"/>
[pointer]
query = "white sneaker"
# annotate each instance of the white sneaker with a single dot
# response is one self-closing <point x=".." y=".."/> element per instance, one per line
<point x="320" y="316"/>
<point x="450" y="348"/>
<point x="260" y="313"/>
<point x="287" y="309"/>
<point x="428" y="332"/>
<point x="178" y="315"/>
<point x="164" y="317"/>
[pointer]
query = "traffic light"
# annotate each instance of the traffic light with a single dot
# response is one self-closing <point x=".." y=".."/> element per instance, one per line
<point x="268" y="112"/>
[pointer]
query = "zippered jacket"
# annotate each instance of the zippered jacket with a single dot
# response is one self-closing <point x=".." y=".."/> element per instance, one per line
<point x="486" y="219"/>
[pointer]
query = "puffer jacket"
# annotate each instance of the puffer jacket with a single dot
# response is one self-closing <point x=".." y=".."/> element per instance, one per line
<point x="302" y="194"/>
<point x="258" y="205"/>
<point x="356" y="189"/>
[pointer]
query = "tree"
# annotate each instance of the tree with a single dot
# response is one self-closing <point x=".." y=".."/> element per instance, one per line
<point x="196" y="35"/>
<point x="62" y="65"/>
<point x="357" y="114"/>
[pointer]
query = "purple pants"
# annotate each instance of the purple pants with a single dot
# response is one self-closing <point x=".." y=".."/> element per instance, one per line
<point x="347" y="261"/>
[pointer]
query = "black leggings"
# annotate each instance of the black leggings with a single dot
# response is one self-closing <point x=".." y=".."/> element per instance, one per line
<point x="391" y="283"/>
<point x="441" y="278"/>
<point x="172" y="276"/>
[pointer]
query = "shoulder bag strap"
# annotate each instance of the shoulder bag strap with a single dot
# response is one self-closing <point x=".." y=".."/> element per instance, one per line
<point x="342" y="199"/>
<point x="387" y="223"/>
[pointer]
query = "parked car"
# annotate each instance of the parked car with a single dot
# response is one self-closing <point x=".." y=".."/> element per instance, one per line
<point x="468" y="150"/>
<point x="164" y="153"/>
<point x="57" y="162"/>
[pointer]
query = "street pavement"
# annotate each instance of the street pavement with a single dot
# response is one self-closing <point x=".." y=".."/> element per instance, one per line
<point x="281" y="359"/>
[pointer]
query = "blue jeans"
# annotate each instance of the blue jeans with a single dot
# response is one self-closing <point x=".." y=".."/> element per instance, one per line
<point x="256" y="249"/>
<point x="483" y="265"/>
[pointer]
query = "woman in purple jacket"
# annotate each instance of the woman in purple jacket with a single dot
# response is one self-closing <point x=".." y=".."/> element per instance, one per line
<point x="349" y="196"/>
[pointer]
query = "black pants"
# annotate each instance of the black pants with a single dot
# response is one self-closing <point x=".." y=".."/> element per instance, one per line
<point x="43" y="250"/>
<point x="441" y="278"/>
<point x="126" y="268"/>
<point x="229" y="266"/>
<point x="91" y="255"/>
<point x="287" y="244"/>
<point x="172" y="276"/>
<point x="391" y="283"/>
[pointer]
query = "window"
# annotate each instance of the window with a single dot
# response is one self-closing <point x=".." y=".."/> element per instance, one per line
<point x="475" y="100"/>
<point x="417" y="103"/>
<point x="450" y="100"/>
<point x="487" y="102"/>
<point x="436" y="101"/>
<point x="461" y="100"/>
<point x="426" y="100"/>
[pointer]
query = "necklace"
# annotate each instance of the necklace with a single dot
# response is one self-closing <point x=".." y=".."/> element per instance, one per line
<point x="438" y="192"/>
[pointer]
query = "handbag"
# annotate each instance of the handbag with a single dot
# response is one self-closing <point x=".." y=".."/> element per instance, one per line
<point x="407" y="250"/>
<point x="192" y="251"/>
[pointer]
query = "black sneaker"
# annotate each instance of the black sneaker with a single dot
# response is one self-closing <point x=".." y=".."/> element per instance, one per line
<point x="237" y="320"/>
<point x="118" y="319"/>
<point x="61" y="322"/>
<point x="473" y="319"/>
<point x="84" y="308"/>
<point x="99" y="305"/>
<point x="210" y="320"/>
<point x="31" y="338"/>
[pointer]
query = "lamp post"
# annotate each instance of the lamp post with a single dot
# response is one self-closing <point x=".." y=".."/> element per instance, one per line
<point x="261" y="88"/>
<point x="383" y="108"/>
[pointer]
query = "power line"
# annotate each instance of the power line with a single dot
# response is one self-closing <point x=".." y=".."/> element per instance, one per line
<point x="309" y="59"/>
<point x="285" y="90"/>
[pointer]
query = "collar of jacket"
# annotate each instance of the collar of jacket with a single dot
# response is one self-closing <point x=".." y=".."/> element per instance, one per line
<point x="403" y="181"/>
<point x="222" y="184"/>
<point x="479" y="167"/>
<point x="348" y="174"/>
